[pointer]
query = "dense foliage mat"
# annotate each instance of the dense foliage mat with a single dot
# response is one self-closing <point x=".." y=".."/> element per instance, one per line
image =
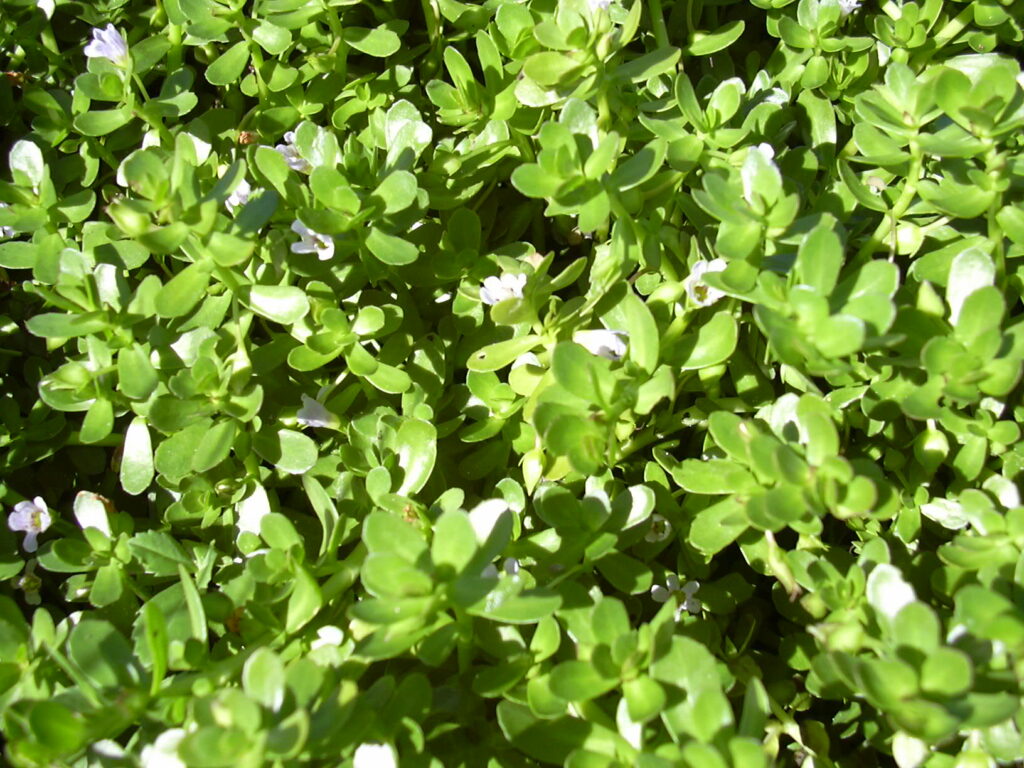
<point x="626" y="383"/>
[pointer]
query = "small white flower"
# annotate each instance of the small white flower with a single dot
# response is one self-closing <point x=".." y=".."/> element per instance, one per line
<point x="314" y="414"/>
<point x="6" y="232"/>
<point x="108" y="43"/>
<point x="661" y="529"/>
<point x="32" y="517"/>
<point x="163" y="753"/>
<point x="498" y="289"/>
<point x="599" y="5"/>
<point x="312" y="242"/>
<point x="662" y="594"/>
<point x="239" y="197"/>
<point x="375" y="756"/>
<point x="291" y="155"/>
<point x="510" y="566"/>
<point x="700" y="293"/>
<point x="846" y="7"/>
<point x="603" y="343"/>
<point x="327" y="636"/>
<point x="490" y="571"/>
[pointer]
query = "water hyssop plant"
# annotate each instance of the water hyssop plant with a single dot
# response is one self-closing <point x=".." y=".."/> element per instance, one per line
<point x="436" y="384"/>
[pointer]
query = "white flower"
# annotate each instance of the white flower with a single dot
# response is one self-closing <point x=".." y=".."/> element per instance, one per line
<point x="108" y="44"/>
<point x="163" y="753"/>
<point x="240" y="196"/>
<point x="846" y="7"/>
<point x="700" y="293"/>
<point x="6" y="232"/>
<point x="312" y="242"/>
<point x="661" y="529"/>
<point x="604" y="343"/>
<point x="32" y="517"/>
<point x="327" y="636"/>
<point x="497" y="289"/>
<point x="314" y="414"/>
<point x="375" y="756"/>
<point x="662" y="594"/>
<point x="599" y="5"/>
<point x="510" y="566"/>
<point x="291" y="155"/>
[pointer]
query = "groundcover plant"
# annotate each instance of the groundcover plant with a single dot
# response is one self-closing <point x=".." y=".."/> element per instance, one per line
<point x="526" y="382"/>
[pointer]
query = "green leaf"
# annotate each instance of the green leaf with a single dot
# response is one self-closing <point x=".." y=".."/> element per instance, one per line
<point x="56" y="728"/>
<point x="285" y="304"/>
<point x="585" y="375"/>
<point x="215" y="446"/>
<point x="158" y="553"/>
<point x="227" y="68"/>
<point x="416" y="444"/>
<point x="101" y="122"/>
<point x="103" y="655"/>
<point x="98" y="422"/>
<point x="384" y="532"/>
<point x="579" y="681"/>
<point x="137" y="470"/>
<point x="713" y="343"/>
<point x="390" y="249"/>
<point x="183" y="291"/>
<point x="286" y="449"/>
<point x="713" y="477"/>
<point x="719" y="40"/>
<point x="495" y="356"/>
<point x="263" y="678"/>
<point x="55" y="325"/>
<point x="304" y="602"/>
<point x="380" y="42"/>
<point x="454" y="542"/>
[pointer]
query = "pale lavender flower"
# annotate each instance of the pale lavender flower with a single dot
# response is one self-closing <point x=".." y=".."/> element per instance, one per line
<point x="239" y="197"/>
<point x="291" y="155"/>
<point x="603" y="343"/>
<point x="108" y="43"/>
<point x="312" y="242"/>
<point x="498" y="289"/>
<point x="846" y="7"/>
<point x="662" y="594"/>
<point x="700" y="293"/>
<point x="32" y="517"/>
<point x="314" y="414"/>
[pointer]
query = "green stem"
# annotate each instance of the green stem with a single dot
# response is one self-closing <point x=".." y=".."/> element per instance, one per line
<point x="176" y="53"/>
<point x="887" y="225"/>
<point x="658" y="23"/>
<point x="166" y="138"/>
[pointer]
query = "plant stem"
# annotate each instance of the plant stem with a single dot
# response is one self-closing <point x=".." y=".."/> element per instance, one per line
<point x="658" y="23"/>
